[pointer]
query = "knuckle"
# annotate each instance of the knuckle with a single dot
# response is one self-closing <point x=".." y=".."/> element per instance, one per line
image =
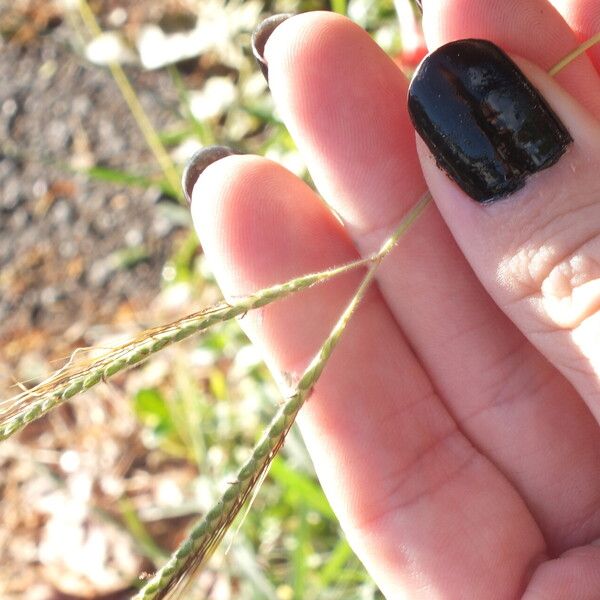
<point x="556" y="263"/>
<point x="571" y="291"/>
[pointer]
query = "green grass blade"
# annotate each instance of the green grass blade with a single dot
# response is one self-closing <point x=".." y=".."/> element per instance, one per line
<point x="301" y="553"/>
<point x="338" y="559"/>
<point x="339" y="6"/>
<point x="311" y="493"/>
<point x="139" y="533"/>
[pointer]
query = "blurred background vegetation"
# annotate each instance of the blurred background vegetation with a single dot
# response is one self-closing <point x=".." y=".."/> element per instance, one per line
<point x="96" y="245"/>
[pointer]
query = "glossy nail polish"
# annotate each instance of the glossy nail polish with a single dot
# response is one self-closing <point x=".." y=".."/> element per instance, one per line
<point x="260" y="36"/>
<point x="484" y="122"/>
<point x="198" y="163"/>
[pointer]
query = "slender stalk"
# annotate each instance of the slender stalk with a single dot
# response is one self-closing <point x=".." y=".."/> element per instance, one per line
<point x="563" y="62"/>
<point x="138" y="112"/>
<point x="22" y="409"/>
<point x="208" y="532"/>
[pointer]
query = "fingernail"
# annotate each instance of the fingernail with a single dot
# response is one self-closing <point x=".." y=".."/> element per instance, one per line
<point x="260" y="36"/>
<point x="198" y="163"/>
<point x="419" y="4"/>
<point x="484" y="122"/>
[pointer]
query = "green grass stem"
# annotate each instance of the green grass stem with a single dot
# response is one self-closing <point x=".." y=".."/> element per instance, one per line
<point x="139" y="114"/>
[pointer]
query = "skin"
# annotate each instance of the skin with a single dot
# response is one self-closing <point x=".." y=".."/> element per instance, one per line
<point x="455" y="429"/>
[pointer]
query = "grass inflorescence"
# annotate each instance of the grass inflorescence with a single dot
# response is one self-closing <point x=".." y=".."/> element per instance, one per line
<point x="79" y="375"/>
<point x="204" y="537"/>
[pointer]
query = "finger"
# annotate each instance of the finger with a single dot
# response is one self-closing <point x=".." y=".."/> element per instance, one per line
<point x="341" y="98"/>
<point x="535" y="242"/>
<point x="532" y="29"/>
<point x="583" y="16"/>
<point x="389" y="456"/>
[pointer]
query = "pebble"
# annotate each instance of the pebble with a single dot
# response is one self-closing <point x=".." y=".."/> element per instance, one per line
<point x="12" y="195"/>
<point x="9" y="108"/>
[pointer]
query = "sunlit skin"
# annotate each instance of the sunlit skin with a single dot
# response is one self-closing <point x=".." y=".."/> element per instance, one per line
<point x="455" y="428"/>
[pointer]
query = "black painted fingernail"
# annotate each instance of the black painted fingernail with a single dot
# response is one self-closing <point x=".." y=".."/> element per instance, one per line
<point x="198" y="163"/>
<point x="484" y="122"/>
<point x="260" y="36"/>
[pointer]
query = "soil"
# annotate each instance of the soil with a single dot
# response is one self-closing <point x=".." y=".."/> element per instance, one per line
<point x="74" y="251"/>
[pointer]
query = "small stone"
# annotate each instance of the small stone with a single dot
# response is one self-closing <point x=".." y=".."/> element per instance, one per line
<point x="11" y="196"/>
<point x="9" y="108"/>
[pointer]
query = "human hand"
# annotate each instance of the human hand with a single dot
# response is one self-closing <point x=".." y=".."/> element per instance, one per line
<point x="455" y="429"/>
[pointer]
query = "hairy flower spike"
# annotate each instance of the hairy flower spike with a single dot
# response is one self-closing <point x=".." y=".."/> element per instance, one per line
<point x="80" y="375"/>
<point x="172" y="580"/>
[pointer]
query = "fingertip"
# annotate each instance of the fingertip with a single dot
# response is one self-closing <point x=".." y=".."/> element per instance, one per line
<point x="493" y="128"/>
<point x="298" y="47"/>
<point x="223" y="194"/>
<point x="259" y="224"/>
<point x="198" y="163"/>
<point x="532" y="29"/>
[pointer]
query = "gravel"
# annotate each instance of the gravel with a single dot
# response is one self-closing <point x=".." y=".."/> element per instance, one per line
<point x="63" y="235"/>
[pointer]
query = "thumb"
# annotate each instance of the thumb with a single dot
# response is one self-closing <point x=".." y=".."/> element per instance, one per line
<point x="515" y="173"/>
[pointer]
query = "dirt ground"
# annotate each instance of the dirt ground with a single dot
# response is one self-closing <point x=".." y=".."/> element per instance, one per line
<point x="73" y="251"/>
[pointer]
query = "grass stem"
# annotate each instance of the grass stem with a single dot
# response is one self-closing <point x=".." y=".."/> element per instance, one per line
<point x="569" y="58"/>
<point x="139" y="114"/>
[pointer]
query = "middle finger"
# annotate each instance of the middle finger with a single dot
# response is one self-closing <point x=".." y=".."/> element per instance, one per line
<point x="343" y="100"/>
